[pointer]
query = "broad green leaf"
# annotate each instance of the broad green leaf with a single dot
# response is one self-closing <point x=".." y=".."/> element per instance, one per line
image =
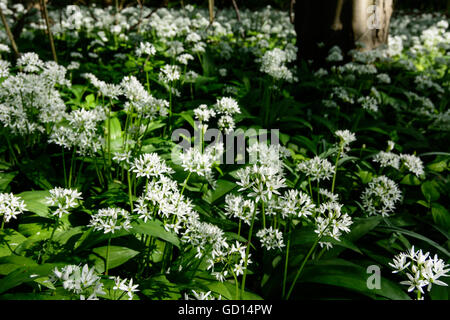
<point x="348" y="275"/>
<point x="410" y="180"/>
<point x="9" y="241"/>
<point x="5" y="179"/>
<point x="222" y="188"/>
<point x="12" y="262"/>
<point x="441" y="216"/>
<point x="35" y="202"/>
<point x="117" y="256"/>
<point x="420" y="237"/>
<point x="430" y="191"/>
<point x="159" y="288"/>
<point x="156" y="229"/>
<point x="24" y="275"/>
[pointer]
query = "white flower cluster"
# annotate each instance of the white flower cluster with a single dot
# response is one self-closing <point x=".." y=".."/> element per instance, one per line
<point x="201" y="163"/>
<point x="82" y="130"/>
<point x="64" y="200"/>
<point x="126" y="288"/>
<point x="381" y="196"/>
<point x="296" y="204"/>
<point x="169" y="73"/>
<point x="29" y="100"/>
<point x="200" y="296"/>
<point x="317" y="168"/>
<point x="421" y="269"/>
<point x="145" y="48"/>
<point x="411" y="162"/>
<point x="83" y="282"/>
<point x="237" y="207"/>
<point x="265" y="177"/>
<point x="271" y="238"/>
<point x="110" y="220"/>
<point x="162" y="197"/>
<point x="226" y="107"/>
<point x="150" y="165"/>
<point x="331" y="223"/>
<point x="11" y="206"/>
<point x="273" y="62"/>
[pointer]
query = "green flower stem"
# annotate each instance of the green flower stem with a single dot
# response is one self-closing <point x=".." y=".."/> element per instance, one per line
<point x="236" y="283"/>
<point x="335" y="169"/>
<point x="263" y="215"/>
<point x="107" y="255"/>
<point x="11" y="150"/>
<point x="54" y="229"/>
<point x="247" y="251"/>
<point x="286" y="260"/>
<point x="301" y="267"/>
<point x="310" y="188"/>
<point x="64" y="166"/>
<point x="130" y="195"/>
<point x="72" y="165"/>
<point x="3" y="223"/>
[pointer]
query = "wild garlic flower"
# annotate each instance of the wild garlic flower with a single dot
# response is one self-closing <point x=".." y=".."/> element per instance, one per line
<point x="273" y="62"/>
<point x="227" y="105"/>
<point x="237" y="207"/>
<point x="127" y="288"/>
<point x="335" y="55"/>
<point x="369" y="103"/>
<point x="331" y="223"/>
<point x="11" y="206"/>
<point x="270" y="238"/>
<point x="201" y="163"/>
<point x="346" y="137"/>
<point x="381" y="196"/>
<point x="413" y="163"/>
<point x="30" y="62"/>
<point x="4" y="68"/>
<point x="64" y="200"/>
<point x="296" y="204"/>
<point x="83" y="282"/>
<point x="169" y="73"/>
<point x="150" y="165"/>
<point x="421" y="269"/>
<point x="200" y="296"/>
<point x="331" y="197"/>
<point x="145" y="48"/>
<point x="385" y="159"/>
<point x="110" y="220"/>
<point x="317" y="168"/>
<point x="203" y="113"/>
<point x="184" y="58"/>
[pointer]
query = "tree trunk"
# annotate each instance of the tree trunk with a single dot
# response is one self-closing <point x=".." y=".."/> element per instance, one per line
<point x="340" y="22"/>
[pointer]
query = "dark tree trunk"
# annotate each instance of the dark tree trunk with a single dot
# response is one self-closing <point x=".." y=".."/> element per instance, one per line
<point x="339" y="22"/>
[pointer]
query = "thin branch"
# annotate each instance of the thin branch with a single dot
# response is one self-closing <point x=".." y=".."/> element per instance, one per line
<point x="291" y="11"/>
<point x="211" y="11"/>
<point x="236" y="8"/>
<point x="50" y="35"/>
<point x="163" y="4"/>
<point x="10" y="35"/>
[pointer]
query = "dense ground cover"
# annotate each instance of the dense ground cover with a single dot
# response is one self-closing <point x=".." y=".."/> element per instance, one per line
<point x="113" y="184"/>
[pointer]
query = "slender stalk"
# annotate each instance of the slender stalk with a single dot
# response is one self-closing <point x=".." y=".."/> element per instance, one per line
<point x="247" y="251"/>
<point x="49" y="31"/>
<point x="130" y="195"/>
<point x="286" y="261"/>
<point x="64" y="166"/>
<point x="9" y="34"/>
<point x="335" y="169"/>
<point x="3" y="223"/>
<point x="301" y="268"/>
<point x="107" y="255"/>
